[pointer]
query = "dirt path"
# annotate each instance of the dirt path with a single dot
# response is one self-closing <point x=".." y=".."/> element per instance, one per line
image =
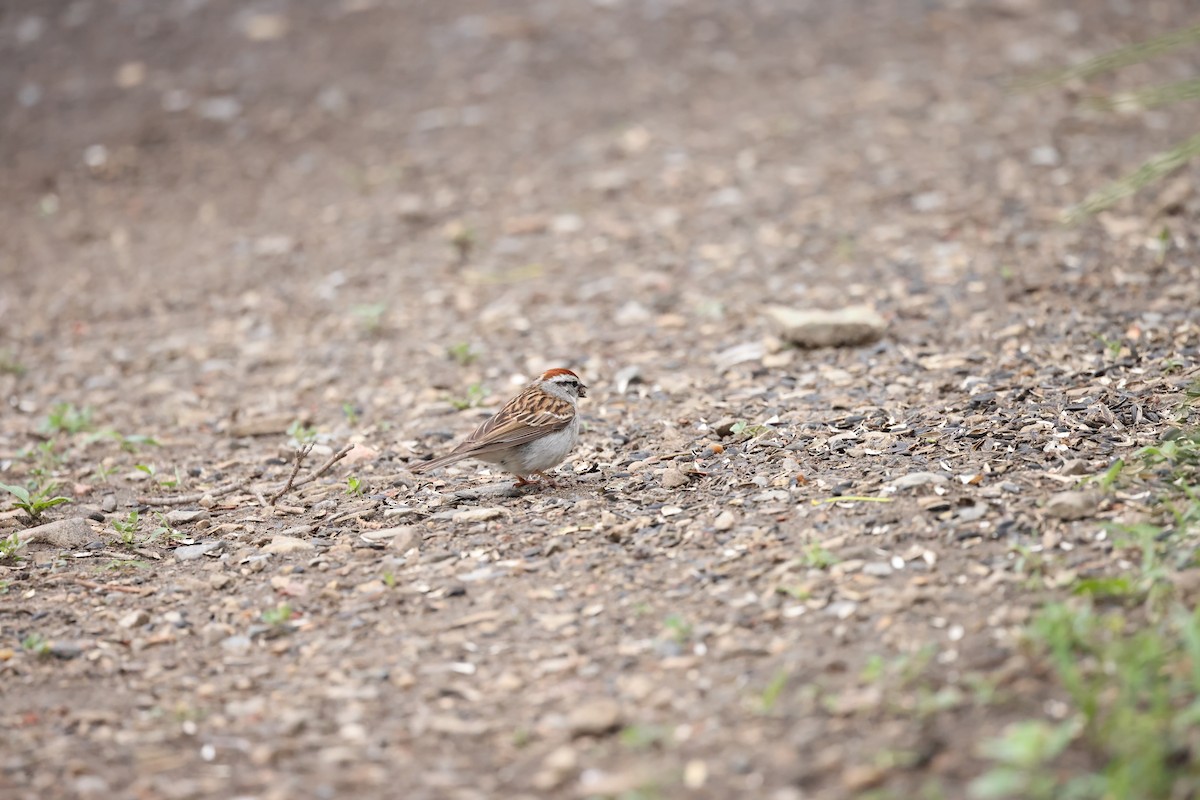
<point x="230" y="227"/>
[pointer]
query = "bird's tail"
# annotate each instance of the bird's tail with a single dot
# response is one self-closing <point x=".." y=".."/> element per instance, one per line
<point x="425" y="466"/>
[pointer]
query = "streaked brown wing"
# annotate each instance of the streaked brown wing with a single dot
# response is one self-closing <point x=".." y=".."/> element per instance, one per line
<point x="526" y="417"/>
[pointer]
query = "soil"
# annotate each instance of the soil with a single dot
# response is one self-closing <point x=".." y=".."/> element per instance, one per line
<point x="233" y="227"/>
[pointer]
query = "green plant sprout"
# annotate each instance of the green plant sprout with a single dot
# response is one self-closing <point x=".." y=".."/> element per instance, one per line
<point x="66" y="418"/>
<point x="370" y="317"/>
<point x="462" y="353"/>
<point x="10" y="545"/>
<point x="34" y="502"/>
<point x="302" y="433"/>
<point x="474" y="398"/>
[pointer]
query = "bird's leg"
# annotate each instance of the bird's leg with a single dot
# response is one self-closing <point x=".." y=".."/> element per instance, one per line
<point x="547" y="480"/>
<point x="523" y="481"/>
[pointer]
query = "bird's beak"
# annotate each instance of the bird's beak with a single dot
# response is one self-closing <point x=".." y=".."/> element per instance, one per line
<point x="582" y="390"/>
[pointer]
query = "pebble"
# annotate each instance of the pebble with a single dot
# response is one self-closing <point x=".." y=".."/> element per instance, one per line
<point x="135" y="619"/>
<point x="401" y="539"/>
<point x="842" y="609"/>
<point x="190" y="552"/>
<point x="1071" y="505"/>
<point x="108" y="503"/>
<point x="66" y="533"/>
<point x="914" y="479"/>
<point x="556" y="768"/>
<point x="878" y="569"/>
<point x="219" y="109"/>
<point x="287" y="544"/>
<point x="477" y="514"/>
<point x="66" y="650"/>
<point x="852" y="325"/>
<point x="238" y="645"/>
<point x="181" y="517"/>
<point x="674" y="478"/>
<point x="220" y="581"/>
<point x="594" y="718"/>
<point x="725" y="521"/>
<point x="360" y="452"/>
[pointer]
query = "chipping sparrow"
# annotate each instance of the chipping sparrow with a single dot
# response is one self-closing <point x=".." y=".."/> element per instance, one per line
<point x="534" y="431"/>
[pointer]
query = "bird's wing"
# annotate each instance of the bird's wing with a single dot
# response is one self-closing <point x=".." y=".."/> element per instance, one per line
<point x="528" y="416"/>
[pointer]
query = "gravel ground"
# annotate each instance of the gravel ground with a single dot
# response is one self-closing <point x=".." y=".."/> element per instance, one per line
<point x="769" y="571"/>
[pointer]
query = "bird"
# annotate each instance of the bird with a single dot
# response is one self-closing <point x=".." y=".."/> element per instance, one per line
<point x="531" y="434"/>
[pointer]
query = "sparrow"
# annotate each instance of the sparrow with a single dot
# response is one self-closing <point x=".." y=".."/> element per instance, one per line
<point x="532" y="433"/>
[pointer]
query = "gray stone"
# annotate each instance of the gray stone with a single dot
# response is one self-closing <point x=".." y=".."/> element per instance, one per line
<point x="181" y="517"/>
<point x="65" y="533"/>
<point x="845" y="327"/>
<point x="1071" y="505"/>
<point x="135" y="619"/>
<point x="915" y="479"/>
<point x="594" y="717"/>
<point x="190" y="552"/>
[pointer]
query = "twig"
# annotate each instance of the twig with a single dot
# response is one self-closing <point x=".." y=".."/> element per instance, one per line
<point x="333" y="459"/>
<point x="195" y="497"/>
<point x="301" y="454"/>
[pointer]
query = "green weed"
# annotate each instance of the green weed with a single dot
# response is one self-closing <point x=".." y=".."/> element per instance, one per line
<point x="36" y="644"/>
<point x="474" y="397"/>
<point x="1134" y="692"/>
<point x="66" y="418"/>
<point x="462" y="353"/>
<point x="10" y="545"/>
<point x="34" y="501"/>
<point x="370" y="317"/>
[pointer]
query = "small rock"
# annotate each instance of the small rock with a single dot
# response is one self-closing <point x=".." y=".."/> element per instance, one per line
<point x="264" y="27"/>
<point x="207" y="501"/>
<point x="360" y="452"/>
<point x="263" y="426"/>
<point x="556" y="768"/>
<point x="181" y="517"/>
<point x="1071" y="505"/>
<point x="130" y="74"/>
<point x="626" y="376"/>
<point x="65" y="533"/>
<point x="477" y="514"/>
<point x="852" y="325"/>
<point x="401" y="539"/>
<point x="108" y="503"/>
<point x="190" y="552"/>
<point x="594" y="718"/>
<point x="879" y="569"/>
<point x="220" y="580"/>
<point x="739" y="354"/>
<point x="66" y="650"/>
<point x="1075" y="466"/>
<point x="725" y="521"/>
<point x="914" y="479"/>
<point x="134" y="619"/>
<point x="842" y="609"/>
<point x="287" y="544"/>
<point x="674" y="478"/>
<point x="219" y="109"/>
<point x="237" y="645"/>
<point x="724" y="428"/>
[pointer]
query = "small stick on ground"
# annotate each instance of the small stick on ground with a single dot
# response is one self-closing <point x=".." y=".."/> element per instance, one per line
<point x="194" y="497"/>
<point x="321" y="470"/>
<point x="301" y="454"/>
